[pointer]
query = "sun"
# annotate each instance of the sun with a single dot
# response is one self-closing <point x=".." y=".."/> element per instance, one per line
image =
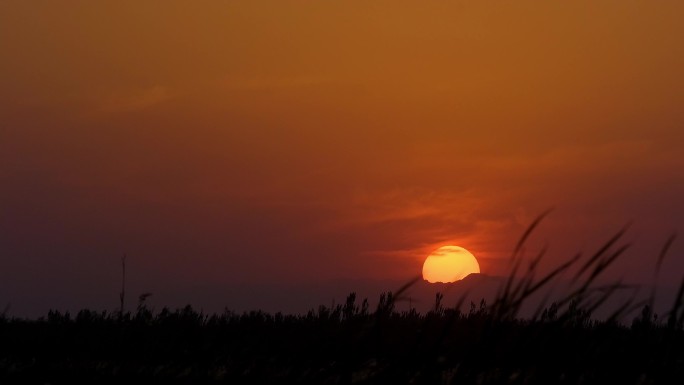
<point x="449" y="264"/>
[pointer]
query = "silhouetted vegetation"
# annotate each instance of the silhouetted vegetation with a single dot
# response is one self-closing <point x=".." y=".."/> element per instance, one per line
<point x="343" y="344"/>
<point x="562" y="343"/>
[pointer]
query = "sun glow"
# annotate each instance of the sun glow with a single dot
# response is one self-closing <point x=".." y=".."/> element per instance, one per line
<point x="449" y="264"/>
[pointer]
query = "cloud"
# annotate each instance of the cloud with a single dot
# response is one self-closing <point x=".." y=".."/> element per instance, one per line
<point x="139" y="99"/>
<point x="273" y="82"/>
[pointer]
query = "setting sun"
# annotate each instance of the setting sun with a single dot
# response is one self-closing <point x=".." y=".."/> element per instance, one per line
<point x="449" y="264"/>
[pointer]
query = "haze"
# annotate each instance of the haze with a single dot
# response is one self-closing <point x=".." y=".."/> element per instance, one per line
<point x="229" y="145"/>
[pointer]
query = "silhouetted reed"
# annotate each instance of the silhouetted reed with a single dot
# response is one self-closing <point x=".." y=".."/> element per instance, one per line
<point x="486" y="343"/>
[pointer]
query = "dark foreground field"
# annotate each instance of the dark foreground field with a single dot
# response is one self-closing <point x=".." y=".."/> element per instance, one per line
<point x="346" y="344"/>
<point x="561" y="343"/>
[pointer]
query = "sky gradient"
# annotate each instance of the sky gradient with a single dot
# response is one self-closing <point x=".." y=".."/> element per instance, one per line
<point x="226" y="144"/>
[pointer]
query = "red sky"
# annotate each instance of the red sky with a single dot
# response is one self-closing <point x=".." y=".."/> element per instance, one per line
<point x="225" y="143"/>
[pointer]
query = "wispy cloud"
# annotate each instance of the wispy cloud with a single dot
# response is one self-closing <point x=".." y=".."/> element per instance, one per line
<point x="273" y="82"/>
<point x="135" y="100"/>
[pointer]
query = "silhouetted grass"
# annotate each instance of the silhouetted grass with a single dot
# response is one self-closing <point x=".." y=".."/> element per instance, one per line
<point x="562" y="343"/>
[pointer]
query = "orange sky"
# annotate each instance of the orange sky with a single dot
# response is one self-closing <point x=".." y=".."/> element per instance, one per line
<point x="296" y="141"/>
